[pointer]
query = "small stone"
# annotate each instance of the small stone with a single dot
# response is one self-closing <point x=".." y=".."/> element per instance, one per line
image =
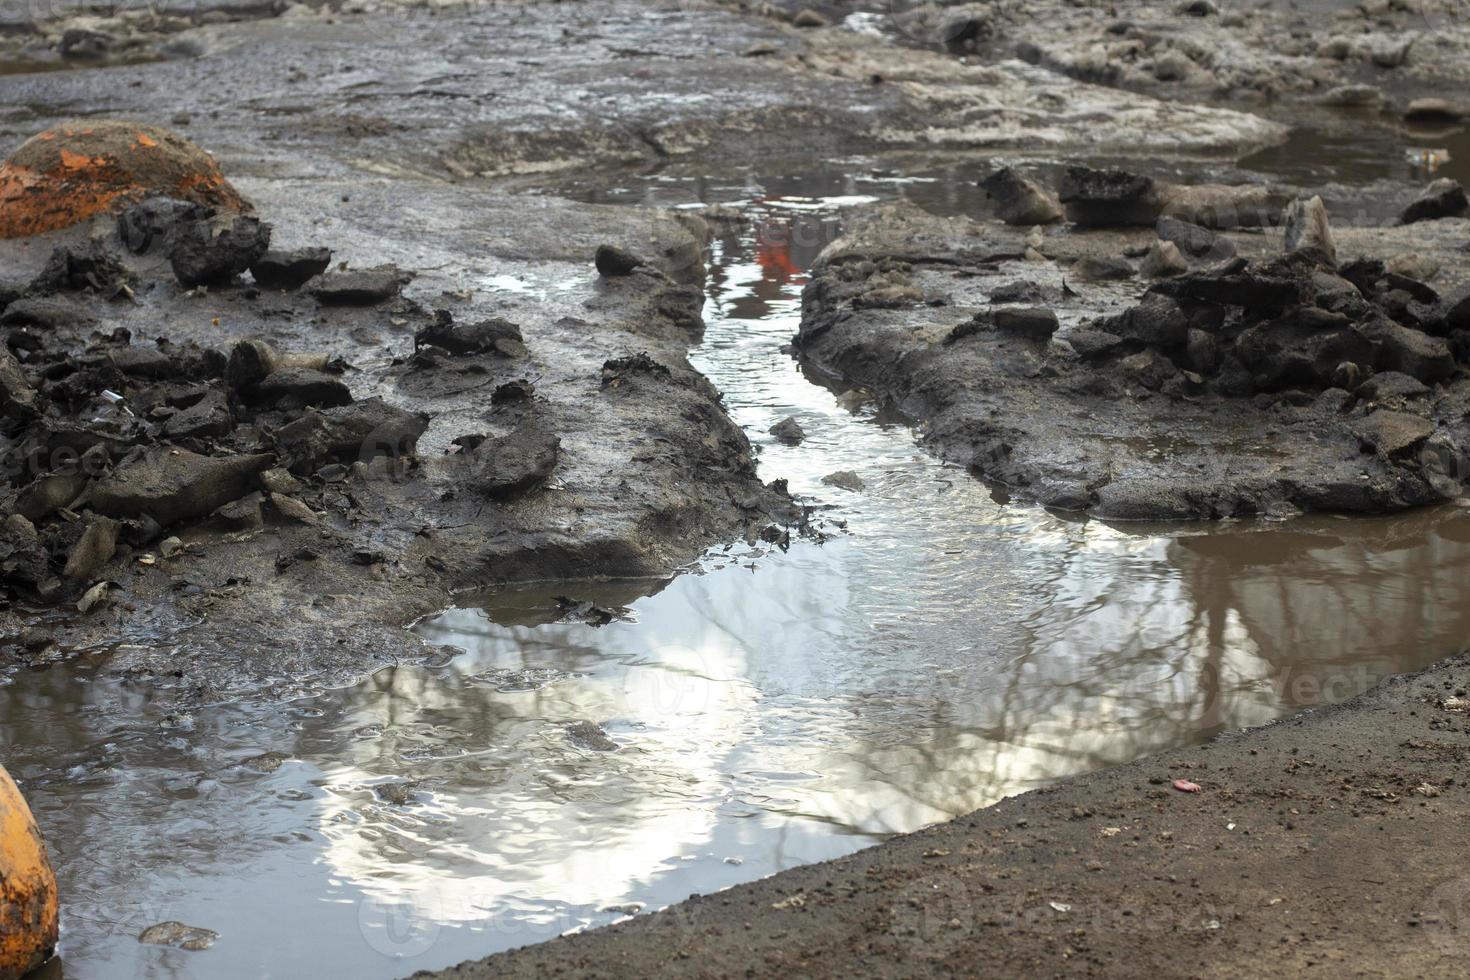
<point x="292" y="388"/>
<point x="1433" y="110"/>
<point x="1307" y="229"/>
<point x="1194" y="240"/>
<point x="1020" y="200"/>
<point x="207" y="418"/>
<point x="1390" y="53"/>
<point x="360" y="287"/>
<point x="1163" y="259"/>
<point x="788" y="432"/>
<point x="845" y="480"/>
<point x="1103" y="198"/>
<point x="1031" y="322"/>
<point x="613" y="262"/>
<point x="1444" y="198"/>
<point x="290" y="269"/>
<point x="809" y="18"/>
<point x="1172" y="66"/>
<point x="170" y="546"/>
<point x="80" y="44"/>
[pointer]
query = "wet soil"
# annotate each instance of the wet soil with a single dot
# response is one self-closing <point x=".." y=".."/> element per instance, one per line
<point x="411" y="136"/>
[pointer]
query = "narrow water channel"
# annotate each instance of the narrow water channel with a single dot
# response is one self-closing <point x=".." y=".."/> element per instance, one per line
<point x="939" y="650"/>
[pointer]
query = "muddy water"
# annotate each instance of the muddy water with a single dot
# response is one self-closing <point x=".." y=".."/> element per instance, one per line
<point x="939" y="650"/>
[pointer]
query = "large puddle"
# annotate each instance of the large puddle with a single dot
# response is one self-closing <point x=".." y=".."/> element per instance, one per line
<point x="940" y="650"/>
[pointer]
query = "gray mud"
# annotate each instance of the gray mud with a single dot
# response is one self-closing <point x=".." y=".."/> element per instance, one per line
<point x="475" y="402"/>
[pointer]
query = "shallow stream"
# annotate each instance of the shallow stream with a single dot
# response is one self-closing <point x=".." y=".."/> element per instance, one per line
<point x="941" y="649"/>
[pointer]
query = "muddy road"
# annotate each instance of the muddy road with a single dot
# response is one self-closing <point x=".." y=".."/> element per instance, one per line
<point x="338" y="610"/>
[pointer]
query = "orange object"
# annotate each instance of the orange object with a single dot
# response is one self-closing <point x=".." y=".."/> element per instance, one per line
<point x="28" y="909"/>
<point x="68" y="174"/>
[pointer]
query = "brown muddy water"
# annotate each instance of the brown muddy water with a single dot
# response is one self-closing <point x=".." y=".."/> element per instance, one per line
<point x="939" y="650"/>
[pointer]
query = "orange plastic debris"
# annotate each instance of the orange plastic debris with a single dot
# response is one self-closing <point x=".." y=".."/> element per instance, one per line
<point x="68" y="174"/>
<point x="28" y="910"/>
<point x="1185" y="786"/>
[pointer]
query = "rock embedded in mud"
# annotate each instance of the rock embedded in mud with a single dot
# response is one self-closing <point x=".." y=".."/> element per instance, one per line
<point x="1172" y="66"/>
<point x="1444" y="198"/>
<point x="788" y="432"/>
<point x="360" y="287"/>
<point x="201" y="256"/>
<point x="1109" y="198"/>
<point x="92" y="551"/>
<point x="362" y="431"/>
<point x="614" y="262"/>
<point x="1033" y="323"/>
<point x="1411" y="351"/>
<point x="1019" y="200"/>
<point x="171" y="485"/>
<point x="81" y="44"/>
<point x="1090" y="343"/>
<point x="1163" y="259"/>
<point x="513" y="465"/>
<point x="153" y="221"/>
<point x="1156" y="321"/>
<point x="1308" y="230"/>
<point x="278" y="269"/>
<point x="1194" y="240"/>
<point x="87" y="267"/>
<point x="1293" y="351"/>
<point x="67" y="174"/>
<point x="1433" y="110"/>
<point x="809" y="18"/>
<point x="209" y="417"/>
<point x="1391" y="433"/>
<point x="290" y="388"/>
<point x="617" y="371"/>
<point x="1021" y="291"/>
<point x="17" y="397"/>
<point x="491" y="336"/>
<point x="47" y="313"/>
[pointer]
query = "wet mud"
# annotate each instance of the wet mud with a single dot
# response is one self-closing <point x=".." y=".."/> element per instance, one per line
<point x="451" y="345"/>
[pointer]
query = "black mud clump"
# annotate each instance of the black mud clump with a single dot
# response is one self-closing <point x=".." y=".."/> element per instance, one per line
<point x="89" y="267"/>
<point x="494" y="335"/>
<point x="108" y="445"/>
<point x="360" y="432"/>
<point x="150" y="224"/>
<point x="202" y="254"/>
<point x="1231" y="389"/>
<point x="290" y="269"/>
<point x="613" y="262"/>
